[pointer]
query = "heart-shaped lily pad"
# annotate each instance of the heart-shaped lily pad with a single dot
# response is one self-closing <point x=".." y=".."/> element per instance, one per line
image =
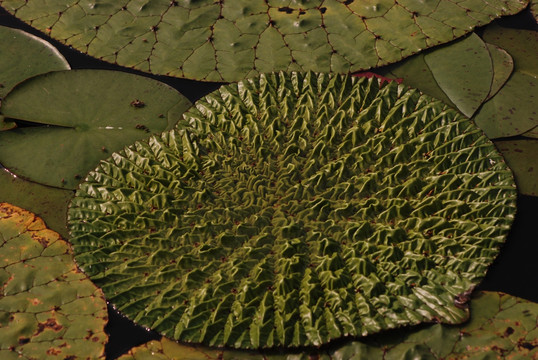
<point x="83" y="116"/>
<point x="465" y="73"/>
<point x="522" y="157"/>
<point x="47" y="202"/>
<point x="501" y="326"/>
<point x="231" y="40"/>
<point x="24" y="55"/>
<point x="48" y="308"/>
<point x="295" y="209"/>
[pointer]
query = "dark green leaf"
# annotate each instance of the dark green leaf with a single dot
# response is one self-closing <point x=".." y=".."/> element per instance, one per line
<point x="24" y="55"/>
<point x="296" y="209"/>
<point x="231" y="40"/>
<point x="522" y="157"/>
<point x="85" y="115"/>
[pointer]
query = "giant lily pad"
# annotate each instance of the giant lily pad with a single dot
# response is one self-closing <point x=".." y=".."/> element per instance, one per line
<point x="24" y="55"/>
<point x="85" y="115"/>
<point x="230" y="40"/>
<point x="295" y="209"/>
<point x="48" y="308"/>
<point x="501" y="326"/>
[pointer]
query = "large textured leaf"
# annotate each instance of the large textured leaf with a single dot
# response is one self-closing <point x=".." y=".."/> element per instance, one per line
<point x="465" y="73"/>
<point x="513" y="111"/>
<point x="230" y="40"/>
<point x="298" y="209"/>
<point x="47" y="202"/>
<point x="85" y="115"/>
<point x="522" y="157"/>
<point x="501" y="327"/>
<point x="24" y="55"/>
<point x="48" y="308"/>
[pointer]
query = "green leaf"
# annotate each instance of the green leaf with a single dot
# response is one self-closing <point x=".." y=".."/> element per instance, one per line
<point x="501" y="326"/>
<point x="232" y="40"/>
<point x="512" y="111"/>
<point x="83" y="116"/>
<point x="464" y="73"/>
<point x="23" y="56"/>
<point x="294" y="209"/>
<point x="520" y="155"/>
<point x="48" y="308"/>
<point x="47" y="202"/>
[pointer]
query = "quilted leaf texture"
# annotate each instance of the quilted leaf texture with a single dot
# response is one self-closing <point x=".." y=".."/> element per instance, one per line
<point x="217" y="40"/>
<point x="48" y="308"/>
<point x="293" y="209"/>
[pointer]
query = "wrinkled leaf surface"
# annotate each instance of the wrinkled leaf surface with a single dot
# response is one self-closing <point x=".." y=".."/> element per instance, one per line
<point x="82" y="116"/>
<point x="296" y="209"/>
<point x="231" y="40"/>
<point x="501" y="326"/>
<point x="48" y="308"/>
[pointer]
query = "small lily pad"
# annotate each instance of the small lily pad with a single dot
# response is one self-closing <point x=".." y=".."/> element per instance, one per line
<point x="513" y="110"/>
<point x="464" y="74"/>
<point x="293" y="209"/>
<point x="501" y="326"/>
<point x="23" y="55"/>
<point x="48" y="308"/>
<point x="522" y="157"/>
<point x="231" y="40"/>
<point x="81" y="117"/>
<point x="47" y="202"/>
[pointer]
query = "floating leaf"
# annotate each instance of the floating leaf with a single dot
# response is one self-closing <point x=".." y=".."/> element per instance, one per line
<point x="501" y="326"/>
<point x="464" y="73"/>
<point x="513" y="110"/>
<point x="85" y="115"/>
<point x="521" y="156"/>
<point x="231" y="40"/>
<point x="298" y="209"/>
<point x="24" y="55"/>
<point x="48" y="308"/>
<point x="47" y="202"/>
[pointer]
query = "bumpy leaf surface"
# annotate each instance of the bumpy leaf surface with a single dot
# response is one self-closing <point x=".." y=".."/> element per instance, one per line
<point x="48" y="308"/>
<point x="231" y="40"/>
<point x="501" y="327"/>
<point x="84" y="116"/>
<point x="24" y="55"/>
<point x="295" y="209"/>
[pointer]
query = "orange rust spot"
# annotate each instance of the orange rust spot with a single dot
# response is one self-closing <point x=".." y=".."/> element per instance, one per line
<point x="35" y="301"/>
<point x="53" y="351"/>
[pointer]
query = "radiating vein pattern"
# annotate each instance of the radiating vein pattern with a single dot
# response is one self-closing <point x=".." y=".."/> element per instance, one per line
<point x="293" y="209"/>
<point x="223" y="40"/>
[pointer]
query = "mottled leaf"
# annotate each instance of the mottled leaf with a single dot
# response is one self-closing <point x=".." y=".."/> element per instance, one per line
<point x="48" y="308"/>
<point x="464" y="73"/>
<point x="501" y="326"/>
<point x="522" y="157"/>
<point x="231" y="40"/>
<point x="47" y="202"/>
<point x="83" y="116"/>
<point x="513" y="110"/>
<point x="295" y="209"/>
<point x="24" y="55"/>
